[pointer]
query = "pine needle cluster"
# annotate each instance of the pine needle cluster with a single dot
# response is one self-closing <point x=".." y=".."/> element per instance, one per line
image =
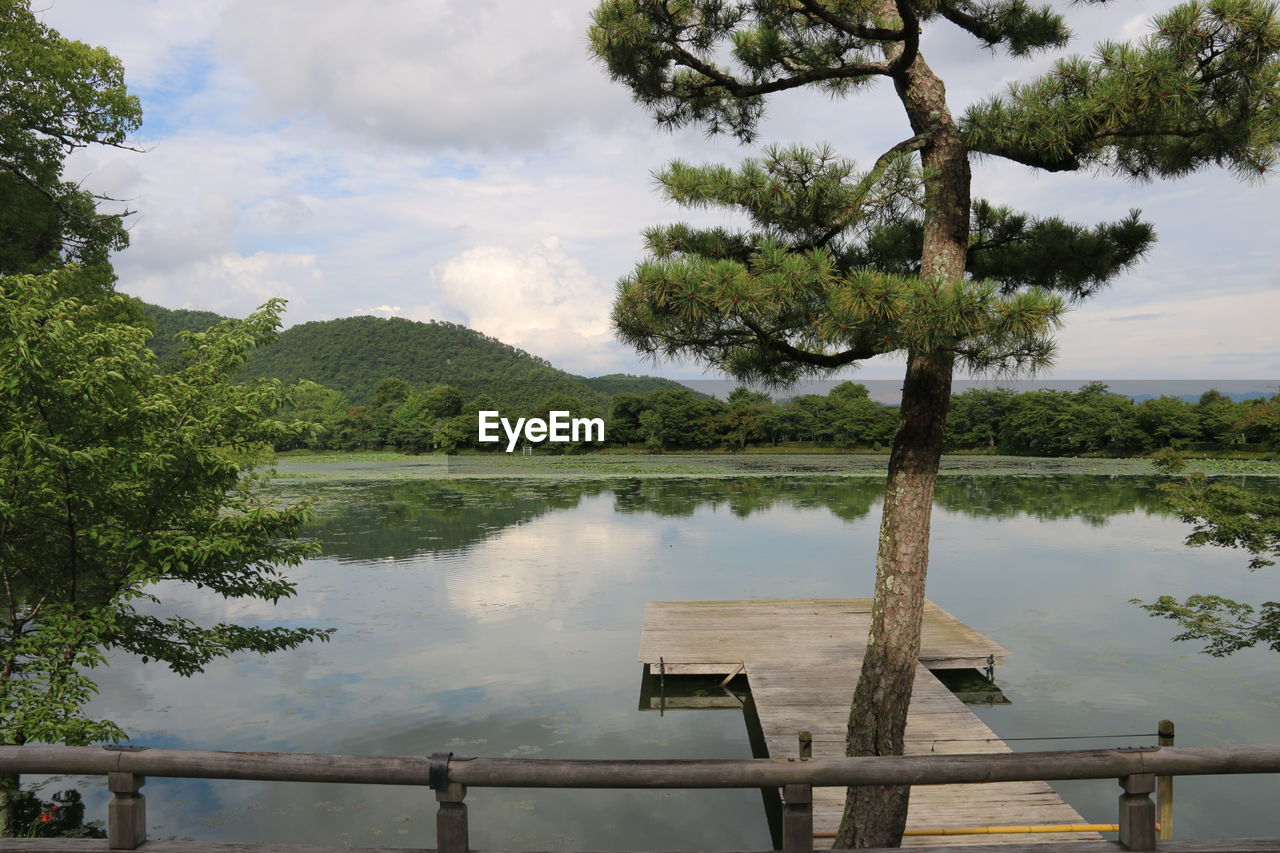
<point x="827" y="274"/>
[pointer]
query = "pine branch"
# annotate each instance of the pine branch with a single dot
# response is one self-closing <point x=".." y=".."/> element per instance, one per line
<point x="816" y="10"/>
<point x="1204" y="89"/>
<point x="829" y="361"/>
<point x="1009" y="22"/>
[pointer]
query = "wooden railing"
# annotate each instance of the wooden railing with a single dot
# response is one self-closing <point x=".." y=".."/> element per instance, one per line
<point x="126" y="770"/>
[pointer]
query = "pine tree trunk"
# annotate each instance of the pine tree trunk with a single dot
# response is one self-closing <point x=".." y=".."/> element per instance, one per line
<point x="875" y="816"/>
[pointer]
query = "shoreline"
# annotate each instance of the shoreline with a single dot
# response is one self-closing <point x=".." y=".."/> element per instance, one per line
<point x="380" y="465"/>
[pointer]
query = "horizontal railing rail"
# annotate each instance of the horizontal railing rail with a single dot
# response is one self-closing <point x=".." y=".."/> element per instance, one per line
<point x="449" y="776"/>
<point x="659" y="773"/>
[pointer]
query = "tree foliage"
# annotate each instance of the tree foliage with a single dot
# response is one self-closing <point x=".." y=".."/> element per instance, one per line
<point x="1229" y="517"/>
<point x="1202" y="89"/>
<point x="115" y="477"/>
<point x="56" y="95"/>
<point x="351" y="355"/>
<point x="794" y="296"/>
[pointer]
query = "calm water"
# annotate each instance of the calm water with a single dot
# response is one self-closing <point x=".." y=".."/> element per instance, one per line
<point x="501" y="618"/>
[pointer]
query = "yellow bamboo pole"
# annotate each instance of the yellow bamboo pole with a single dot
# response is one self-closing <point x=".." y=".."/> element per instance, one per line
<point x="1003" y="830"/>
<point x="1164" y="787"/>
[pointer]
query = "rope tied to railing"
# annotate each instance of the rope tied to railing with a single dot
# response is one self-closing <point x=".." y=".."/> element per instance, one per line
<point x="438" y="771"/>
<point x="438" y="768"/>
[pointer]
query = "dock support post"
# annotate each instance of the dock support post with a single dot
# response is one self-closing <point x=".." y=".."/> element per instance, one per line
<point x="1137" y="812"/>
<point x="451" y="819"/>
<point x="797" y="819"/>
<point x="1164" y="787"/>
<point x="127" y="811"/>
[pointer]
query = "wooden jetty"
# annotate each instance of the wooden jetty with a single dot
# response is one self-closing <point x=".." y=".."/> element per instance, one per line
<point x="802" y="657"/>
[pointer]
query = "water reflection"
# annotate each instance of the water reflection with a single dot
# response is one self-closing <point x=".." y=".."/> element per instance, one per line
<point x="502" y="618"/>
<point x="401" y="520"/>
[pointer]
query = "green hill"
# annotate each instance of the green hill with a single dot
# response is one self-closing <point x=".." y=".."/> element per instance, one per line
<point x="168" y="322"/>
<point x="353" y="354"/>
<point x="626" y="383"/>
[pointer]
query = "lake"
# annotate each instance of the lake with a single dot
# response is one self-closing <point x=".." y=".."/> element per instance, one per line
<point x="501" y="617"/>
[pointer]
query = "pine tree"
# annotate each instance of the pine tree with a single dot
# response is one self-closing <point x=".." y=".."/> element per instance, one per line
<point x="820" y="287"/>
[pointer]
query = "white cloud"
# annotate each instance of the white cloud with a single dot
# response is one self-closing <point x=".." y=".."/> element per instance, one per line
<point x="520" y="570"/>
<point x="539" y="299"/>
<point x="232" y="284"/>
<point x="1208" y="337"/>
<point x="150" y="37"/>
<point x="421" y="155"/>
<point x="440" y="73"/>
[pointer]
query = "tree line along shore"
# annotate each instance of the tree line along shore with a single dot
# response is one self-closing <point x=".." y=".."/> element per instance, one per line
<point x="1089" y="421"/>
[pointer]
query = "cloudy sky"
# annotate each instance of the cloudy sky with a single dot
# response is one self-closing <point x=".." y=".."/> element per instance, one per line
<point x="465" y="160"/>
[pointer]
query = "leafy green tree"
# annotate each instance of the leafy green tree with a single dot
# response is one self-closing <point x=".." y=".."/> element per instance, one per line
<point x="796" y="294"/>
<point x="416" y="422"/>
<point x="56" y="95"/>
<point x="443" y="401"/>
<point x="1107" y="421"/>
<point x="312" y="404"/>
<point x="680" y="418"/>
<point x="1219" y="418"/>
<point x="1044" y="423"/>
<point x="411" y="427"/>
<point x="576" y="408"/>
<point x="1167" y="421"/>
<point x="1260" y="421"/>
<point x="1062" y="423"/>
<point x="389" y="396"/>
<point x="354" y="431"/>
<point x="651" y="428"/>
<point x="1230" y="517"/>
<point x="746" y="418"/>
<point x="624" y="417"/>
<point x="857" y="419"/>
<point x="977" y="416"/>
<point x="808" y="418"/>
<point x="450" y="434"/>
<point x="114" y="478"/>
<point x="744" y="396"/>
<point x="772" y="423"/>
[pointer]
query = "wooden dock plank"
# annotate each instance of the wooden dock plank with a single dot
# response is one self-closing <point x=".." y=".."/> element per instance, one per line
<point x="802" y="659"/>
<point x="720" y="632"/>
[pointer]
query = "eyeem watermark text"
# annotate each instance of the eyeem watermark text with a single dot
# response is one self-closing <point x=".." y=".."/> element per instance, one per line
<point x="560" y="427"/>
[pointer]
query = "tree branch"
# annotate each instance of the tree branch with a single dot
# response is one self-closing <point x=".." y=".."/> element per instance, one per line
<point x="738" y="89"/>
<point x="815" y="10"/>
<point x="915" y="143"/>
<point x="911" y="43"/>
<point x="839" y="359"/>
<point x="968" y="23"/>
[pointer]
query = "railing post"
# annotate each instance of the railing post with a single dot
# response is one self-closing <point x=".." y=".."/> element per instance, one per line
<point x="451" y="819"/>
<point x="1164" y="787"/>
<point x="1137" y="812"/>
<point x="797" y="818"/>
<point x="127" y="811"/>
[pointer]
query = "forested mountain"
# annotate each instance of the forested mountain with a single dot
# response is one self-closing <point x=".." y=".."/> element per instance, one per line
<point x="168" y="322"/>
<point x="418" y="386"/>
<point x="626" y="383"/>
<point x="353" y="354"/>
